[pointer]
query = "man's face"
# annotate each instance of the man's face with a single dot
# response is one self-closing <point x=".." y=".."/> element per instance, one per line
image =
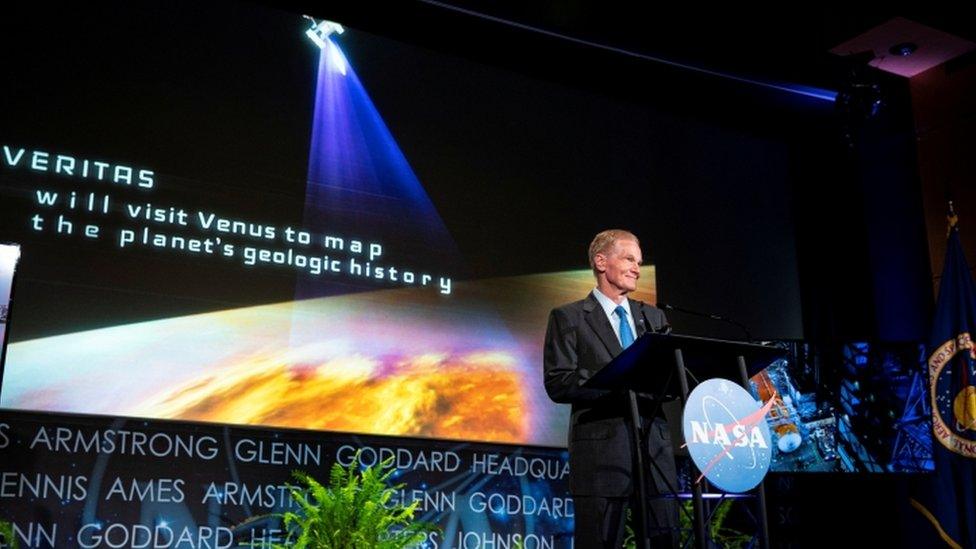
<point x="620" y="266"/>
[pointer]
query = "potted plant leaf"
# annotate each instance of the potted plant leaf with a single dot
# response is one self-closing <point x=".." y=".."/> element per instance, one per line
<point x="355" y="511"/>
<point x="7" y="537"/>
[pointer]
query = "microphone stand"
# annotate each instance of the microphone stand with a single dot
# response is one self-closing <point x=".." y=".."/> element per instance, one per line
<point x="669" y="307"/>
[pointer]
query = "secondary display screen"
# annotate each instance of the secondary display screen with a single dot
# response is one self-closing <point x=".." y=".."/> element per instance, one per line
<point x="9" y="254"/>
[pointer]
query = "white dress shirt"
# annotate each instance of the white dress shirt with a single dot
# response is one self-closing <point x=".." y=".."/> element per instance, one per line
<point x="609" y="307"/>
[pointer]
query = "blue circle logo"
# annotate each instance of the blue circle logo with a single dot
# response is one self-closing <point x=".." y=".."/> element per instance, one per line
<point x="727" y="436"/>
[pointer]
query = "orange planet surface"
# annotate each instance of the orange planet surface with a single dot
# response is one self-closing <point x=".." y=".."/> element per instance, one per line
<point x="409" y="362"/>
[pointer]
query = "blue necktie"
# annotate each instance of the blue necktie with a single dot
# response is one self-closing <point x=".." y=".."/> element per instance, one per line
<point x="626" y="335"/>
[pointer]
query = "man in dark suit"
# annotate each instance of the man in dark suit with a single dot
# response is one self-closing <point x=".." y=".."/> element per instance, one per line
<point x="581" y="338"/>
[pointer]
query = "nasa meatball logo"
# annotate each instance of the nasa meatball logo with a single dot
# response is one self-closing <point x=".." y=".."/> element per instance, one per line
<point x="952" y="368"/>
<point x="727" y="436"/>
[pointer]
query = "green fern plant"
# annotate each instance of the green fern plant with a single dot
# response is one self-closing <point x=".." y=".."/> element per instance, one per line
<point x="723" y="535"/>
<point x="355" y="511"/>
<point x="7" y="537"/>
<point x="720" y="535"/>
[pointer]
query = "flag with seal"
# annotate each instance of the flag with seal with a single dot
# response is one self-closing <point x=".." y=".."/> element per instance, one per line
<point x="952" y="396"/>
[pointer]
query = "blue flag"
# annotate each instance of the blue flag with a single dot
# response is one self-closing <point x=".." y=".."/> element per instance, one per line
<point x="952" y="395"/>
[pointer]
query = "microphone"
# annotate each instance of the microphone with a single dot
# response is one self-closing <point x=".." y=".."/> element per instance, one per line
<point x="669" y="307"/>
<point x="648" y="326"/>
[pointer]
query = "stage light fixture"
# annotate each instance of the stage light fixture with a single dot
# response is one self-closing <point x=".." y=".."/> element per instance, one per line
<point x="903" y="49"/>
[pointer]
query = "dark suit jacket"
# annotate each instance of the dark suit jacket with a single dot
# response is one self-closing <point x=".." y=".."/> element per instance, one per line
<point x="580" y="341"/>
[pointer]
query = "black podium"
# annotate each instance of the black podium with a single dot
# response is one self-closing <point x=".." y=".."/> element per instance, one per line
<point x="650" y="366"/>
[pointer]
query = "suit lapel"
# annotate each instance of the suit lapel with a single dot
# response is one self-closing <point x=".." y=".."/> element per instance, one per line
<point x="600" y="324"/>
<point x="635" y="313"/>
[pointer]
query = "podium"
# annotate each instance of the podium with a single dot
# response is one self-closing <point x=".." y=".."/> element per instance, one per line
<point x="651" y="365"/>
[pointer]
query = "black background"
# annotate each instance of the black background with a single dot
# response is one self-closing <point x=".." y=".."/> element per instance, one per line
<point x="524" y="170"/>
